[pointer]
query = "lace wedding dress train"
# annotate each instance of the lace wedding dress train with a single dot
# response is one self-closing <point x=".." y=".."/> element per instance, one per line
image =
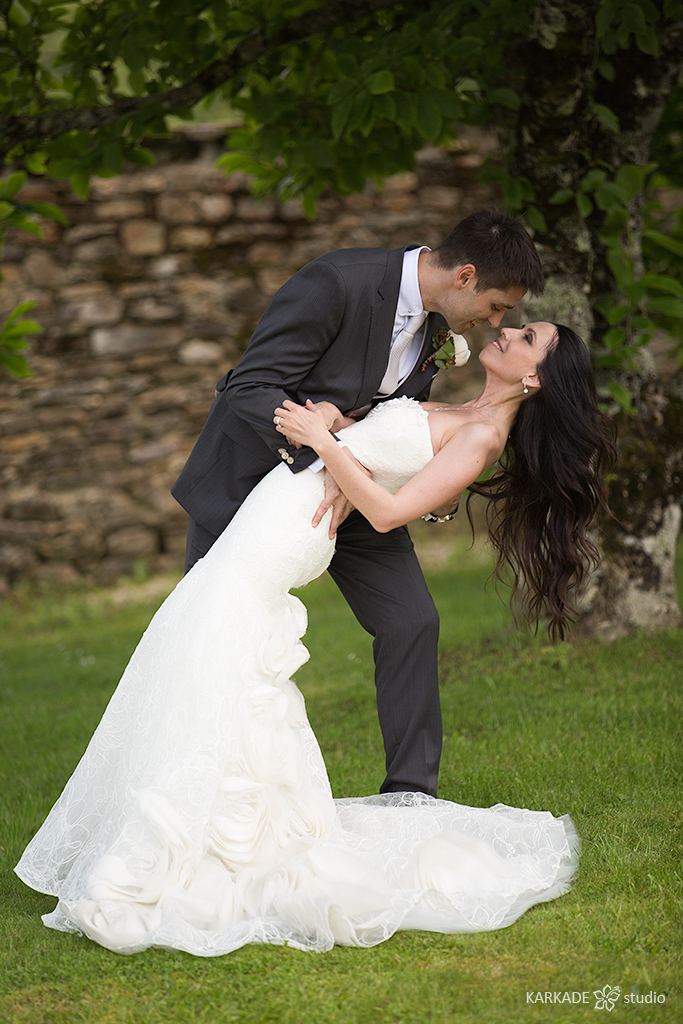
<point x="200" y="817"/>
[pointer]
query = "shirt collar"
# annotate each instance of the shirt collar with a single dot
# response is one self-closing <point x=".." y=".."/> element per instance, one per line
<point x="409" y="297"/>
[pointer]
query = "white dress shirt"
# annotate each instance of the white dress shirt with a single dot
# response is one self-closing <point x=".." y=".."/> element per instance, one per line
<point x="409" y="304"/>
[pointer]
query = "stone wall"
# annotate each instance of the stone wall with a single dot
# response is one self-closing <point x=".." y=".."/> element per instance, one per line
<point x="147" y="297"/>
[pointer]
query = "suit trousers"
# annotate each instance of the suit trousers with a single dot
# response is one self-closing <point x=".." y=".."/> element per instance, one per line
<point x="381" y="580"/>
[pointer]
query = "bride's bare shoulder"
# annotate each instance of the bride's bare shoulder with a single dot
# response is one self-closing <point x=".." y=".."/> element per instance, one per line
<point x="476" y="435"/>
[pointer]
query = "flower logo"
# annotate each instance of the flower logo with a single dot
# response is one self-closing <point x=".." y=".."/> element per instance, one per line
<point x="606" y="998"/>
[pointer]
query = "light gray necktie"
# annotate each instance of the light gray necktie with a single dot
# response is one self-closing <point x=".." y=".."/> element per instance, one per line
<point x="403" y="340"/>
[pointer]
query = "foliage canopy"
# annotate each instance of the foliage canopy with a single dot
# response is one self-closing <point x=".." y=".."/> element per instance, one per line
<point x="331" y="94"/>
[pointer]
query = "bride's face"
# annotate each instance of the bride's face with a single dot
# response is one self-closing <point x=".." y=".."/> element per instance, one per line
<point x="515" y="354"/>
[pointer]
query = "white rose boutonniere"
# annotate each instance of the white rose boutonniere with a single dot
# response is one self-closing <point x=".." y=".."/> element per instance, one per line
<point x="450" y="349"/>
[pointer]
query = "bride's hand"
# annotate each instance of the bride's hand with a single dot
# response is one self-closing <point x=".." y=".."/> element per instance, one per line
<point x="304" y="424"/>
<point x="333" y="417"/>
<point x="449" y="508"/>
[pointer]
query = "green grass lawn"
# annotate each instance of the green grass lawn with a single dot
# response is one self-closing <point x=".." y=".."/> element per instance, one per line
<point x="583" y="728"/>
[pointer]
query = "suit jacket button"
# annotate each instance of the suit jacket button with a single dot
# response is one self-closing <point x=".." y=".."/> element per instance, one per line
<point x="290" y="460"/>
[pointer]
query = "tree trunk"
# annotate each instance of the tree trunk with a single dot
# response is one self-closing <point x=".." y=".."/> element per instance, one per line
<point x="553" y="145"/>
<point x="635" y="585"/>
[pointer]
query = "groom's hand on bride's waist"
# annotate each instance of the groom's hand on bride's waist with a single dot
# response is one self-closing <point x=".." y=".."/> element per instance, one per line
<point x="336" y="500"/>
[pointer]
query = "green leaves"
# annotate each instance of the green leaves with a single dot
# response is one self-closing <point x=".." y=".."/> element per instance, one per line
<point x="638" y="304"/>
<point x="371" y="88"/>
<point x="631" y="178"/>
<point x="332" y="95"/>
<point x="669" y="307"/>
<point x="612" y="196"/>
<point x="505" y="98"/>
<point x="50" y="212"/>
<point x="562" y="195"/>
<point x="10" y="186"/>
<point x="535" y="218"/>
<point x="337" y="113"/>
<point x="665" y="241"/>
<point x="13" y="334"/>
<point x="380" y="82"/>
<point x="22" y="216"/>
<point x="622" y="396"/>
<point x="662" y="283"/>
<point x="617" y="20"/>
<point x="517" y="192"/>
<point x="584" y="204"/>
<point x="340" y="116"/>
<point x="429" y="119"/>
<point x="606" y="118"/>
<point x="79" y="156"/>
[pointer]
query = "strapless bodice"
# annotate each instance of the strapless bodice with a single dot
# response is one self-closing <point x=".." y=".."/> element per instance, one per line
<point x="393" y="441"/>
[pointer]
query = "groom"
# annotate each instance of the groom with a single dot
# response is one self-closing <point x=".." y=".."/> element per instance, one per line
<point x="328" y="335"/>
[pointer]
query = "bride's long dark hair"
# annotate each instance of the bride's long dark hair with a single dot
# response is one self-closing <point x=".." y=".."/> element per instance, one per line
<point x="549" y="486"/>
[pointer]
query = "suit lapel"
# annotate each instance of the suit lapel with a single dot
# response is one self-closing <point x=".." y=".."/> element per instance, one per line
<point x="382" y="317"/>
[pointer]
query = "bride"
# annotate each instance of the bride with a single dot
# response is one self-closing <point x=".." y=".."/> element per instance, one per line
<point x="200" y="817"/>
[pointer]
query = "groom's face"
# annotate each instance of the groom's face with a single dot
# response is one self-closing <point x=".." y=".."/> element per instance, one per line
<point x="465" y="307"/>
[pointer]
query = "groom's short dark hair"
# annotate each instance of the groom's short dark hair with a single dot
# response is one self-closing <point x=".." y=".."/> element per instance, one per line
<point x="499" y="247"/>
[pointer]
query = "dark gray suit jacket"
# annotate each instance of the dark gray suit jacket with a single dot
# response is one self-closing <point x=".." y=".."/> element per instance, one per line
<point x="325" y="336"/>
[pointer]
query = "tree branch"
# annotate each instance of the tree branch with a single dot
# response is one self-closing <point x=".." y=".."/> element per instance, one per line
<point x="26" y="133"/>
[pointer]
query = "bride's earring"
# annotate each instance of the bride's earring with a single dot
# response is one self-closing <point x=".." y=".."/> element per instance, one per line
<point x="526" y="390"/>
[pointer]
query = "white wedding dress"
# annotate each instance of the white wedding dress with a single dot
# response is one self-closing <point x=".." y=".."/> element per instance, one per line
<point x="200" y="817"/>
